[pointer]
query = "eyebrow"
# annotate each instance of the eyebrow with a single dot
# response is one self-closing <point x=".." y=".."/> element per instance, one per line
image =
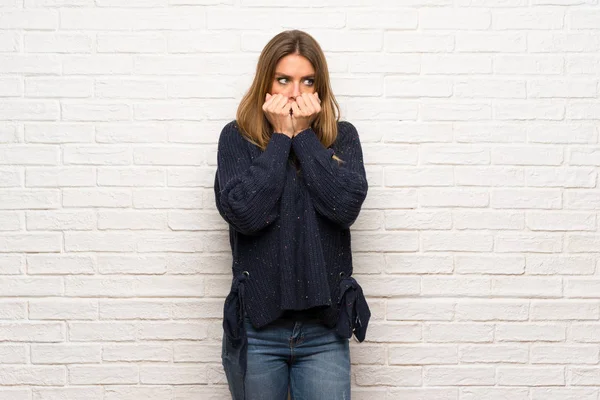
<point x="287" y="76"/>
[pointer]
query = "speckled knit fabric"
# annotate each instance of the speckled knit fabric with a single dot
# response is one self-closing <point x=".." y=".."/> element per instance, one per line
<point x="289" y="229"/>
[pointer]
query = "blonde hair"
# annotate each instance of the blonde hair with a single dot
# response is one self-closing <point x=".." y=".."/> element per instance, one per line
<point x="252" y="122"/>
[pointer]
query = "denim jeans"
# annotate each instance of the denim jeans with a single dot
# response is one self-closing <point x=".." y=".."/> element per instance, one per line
<point x="302" y="355"/>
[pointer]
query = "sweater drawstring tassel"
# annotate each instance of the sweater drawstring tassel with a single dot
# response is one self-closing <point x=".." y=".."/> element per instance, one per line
<point x="354" y="311"/>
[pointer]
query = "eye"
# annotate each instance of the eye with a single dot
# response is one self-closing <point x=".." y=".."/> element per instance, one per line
<point x="282" y="79"/>
<point x="309" y="82"/>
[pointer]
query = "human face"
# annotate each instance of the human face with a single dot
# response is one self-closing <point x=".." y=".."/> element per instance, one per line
<point x="294" y="75"/>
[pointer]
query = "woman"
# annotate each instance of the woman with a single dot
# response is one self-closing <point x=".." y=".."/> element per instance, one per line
<point x="290" y="181"/>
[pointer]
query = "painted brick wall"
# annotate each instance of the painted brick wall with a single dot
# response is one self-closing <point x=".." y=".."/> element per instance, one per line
<point x="477" y="245"/>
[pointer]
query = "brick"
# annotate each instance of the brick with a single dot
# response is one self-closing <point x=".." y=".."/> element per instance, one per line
<point x="119" y="309"/>
<point x="385" y="332"/>
<point x="539" y="264"/>
<point x="29" y="19"/>
<point x="13" y="354"/>
<point x="130" y="89"/>
<point x="576" y="177"/>
<point x="423" y="354"/>
<point x="115" y="19"/>
<point x="142" y="286"/>
<point x="487" y="132"/>
<point x="102" y="331"/>
<point x="29" y="155"/>
<point x="553" y="354"/>
<point x="482" y="176"/>
<point x="175" y="374"/>
<point x="492" y="310"/>
<point x="67" y="393"/>
<point x="420" y="176"/>
<point x="30" y="242"/>
<point x="459" y="375"/>
<point x="13" y="310"/>
<point x="61" y="220"/>
<point x="130" y="133"/>
<point x="490" y="88"/>
<point x="134" y="264"/>
<point x="447" y="241"/>
<point x="131" y="220"/>
<point x="32" y="375"/>
<point x="420" y="310"/>
<point x="531" y="376"/>
<point x="137" y="352"/>
<point x="416" y="264"/>
<point x="526" y="198"/>
<point x="10" y="221"/>
<point x="531" y="332"/>
<point x="80" y="197"/>
<point x="151" y="392"/>
<point x="65" y="353"/>
<point x="496" y="265"/>
<point x="458" y="332"/>
<point x="63" y="309"/>
<point x="509" y="354"/>
<point x="459" y="18"/>
<point x="103" y="374"/>
<point x="95" y="111"/>
<point x="97" y="155"/>
<point x="41" y="264"/>
<point x="173" y="330"/>
<point x="56" y="177"/>
<point x="32" y="64"/>
<point x="494" y="393"/>
<point x="491" y="42"/>
<point x="570" y="393"/>
<point x="131" y="43"/>
<point x="30" y="332"/>
<point x="453" y="285"/>
<point x="388" y="376"/>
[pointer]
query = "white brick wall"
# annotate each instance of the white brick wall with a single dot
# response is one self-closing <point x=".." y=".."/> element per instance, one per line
<point x="477" y="245"/>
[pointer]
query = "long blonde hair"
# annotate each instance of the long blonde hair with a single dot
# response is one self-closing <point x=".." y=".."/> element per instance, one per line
<point x="252" y="122"/>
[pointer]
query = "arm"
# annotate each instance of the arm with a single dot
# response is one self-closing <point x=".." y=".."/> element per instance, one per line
<point x="247" y="191"/>
<point x="338" y="191"/>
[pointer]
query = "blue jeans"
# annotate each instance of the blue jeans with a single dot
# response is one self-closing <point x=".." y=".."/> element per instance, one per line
<point x="302" y="355"/>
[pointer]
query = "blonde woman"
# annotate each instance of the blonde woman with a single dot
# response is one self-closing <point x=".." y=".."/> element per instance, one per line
<point x="290" y="182"/>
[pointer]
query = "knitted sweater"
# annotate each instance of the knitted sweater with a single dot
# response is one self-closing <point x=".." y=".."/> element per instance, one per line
<point x="289" y="229"/>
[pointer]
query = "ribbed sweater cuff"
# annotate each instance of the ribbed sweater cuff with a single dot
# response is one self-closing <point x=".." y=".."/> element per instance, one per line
<point x="307" y="144"/>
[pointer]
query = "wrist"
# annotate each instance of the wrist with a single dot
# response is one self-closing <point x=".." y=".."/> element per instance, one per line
<point x="298" y="131"/>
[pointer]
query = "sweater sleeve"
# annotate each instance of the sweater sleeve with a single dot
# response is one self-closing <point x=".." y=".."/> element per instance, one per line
<point x="247" y="191"/>
<point x="338" y="190"/>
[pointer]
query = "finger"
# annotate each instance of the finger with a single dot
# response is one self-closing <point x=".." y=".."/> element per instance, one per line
<point x="310" y="107"/>
<point x="295" y="110"/>
<point x="302" y="104"/>
<point x="269" y="100"/>
<point x="314" y="100"/>
<point x="281" y="104"/>
<point x="275" y="104"/>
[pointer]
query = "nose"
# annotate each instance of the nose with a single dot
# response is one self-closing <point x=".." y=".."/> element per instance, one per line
<point x="296" y="91"/>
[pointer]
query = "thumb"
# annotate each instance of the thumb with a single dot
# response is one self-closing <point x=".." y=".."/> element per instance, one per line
<point x="267" y="96"/>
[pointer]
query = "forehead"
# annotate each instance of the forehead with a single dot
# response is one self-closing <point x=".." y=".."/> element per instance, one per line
<point x="294" y="64"/>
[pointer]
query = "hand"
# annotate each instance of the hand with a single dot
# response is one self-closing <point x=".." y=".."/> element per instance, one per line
<point x="277" y="111"/>
<point x="304" y="111"/>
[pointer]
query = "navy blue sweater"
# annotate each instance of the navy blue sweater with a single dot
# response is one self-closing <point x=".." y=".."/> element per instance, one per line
<point x="289" y="228"/>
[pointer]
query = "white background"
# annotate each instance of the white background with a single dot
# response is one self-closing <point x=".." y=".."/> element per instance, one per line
<point x="477" y="245"/>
